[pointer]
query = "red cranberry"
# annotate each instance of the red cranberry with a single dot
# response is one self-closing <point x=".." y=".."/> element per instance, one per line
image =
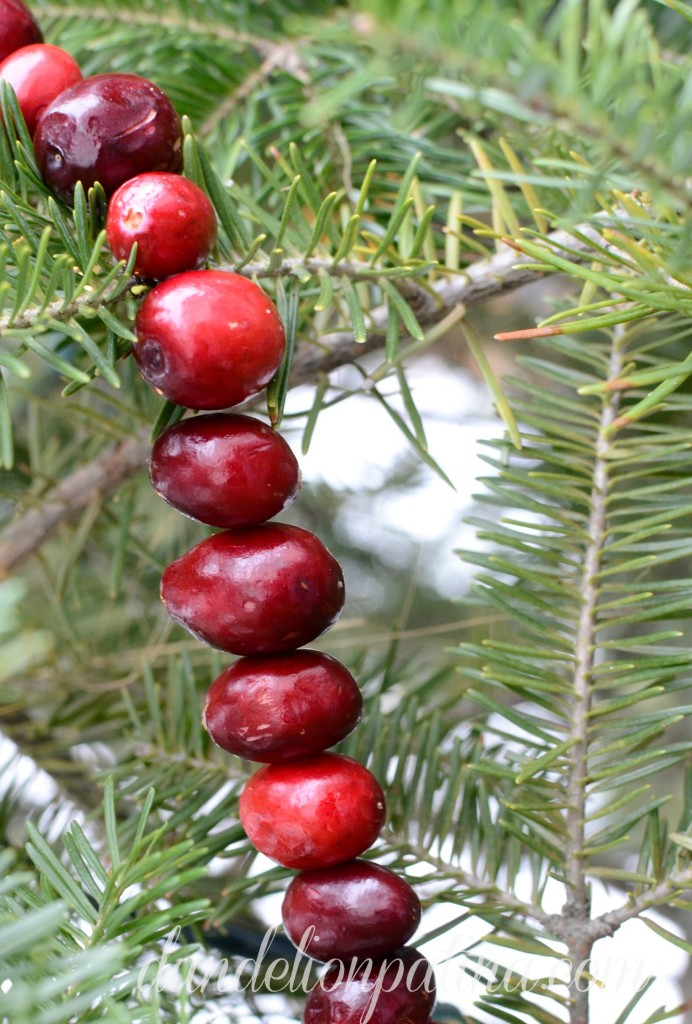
<point x="357" y="909"/>
<point x="313" y="812"/>
<point x="17" y="27"/>
<point x="208" y="339"/>
<point x="38" y="74"/>
<point x="224" y="469"/>
<point x="275" y="707"/>
<point x="170" y="219"/>
<point x="255" y="590"/>
<point x="106" y="128"/>
<point x="398" y="990"/>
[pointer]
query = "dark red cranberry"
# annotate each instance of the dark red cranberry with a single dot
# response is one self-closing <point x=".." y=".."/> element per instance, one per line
<point x="17" y="27"/>
<point x="313" y="812"/>
<point x="208" y="339"/>
<point x="106" y="128"/>
<point x="38" y="74"/>
<point x="224" y="469"/>
<point x="357" y="909"/>
<point x="170" y="219"/>
<point x="279" y="706"/>
<point x="256" y="590"/>
<point x="398" y="990"/>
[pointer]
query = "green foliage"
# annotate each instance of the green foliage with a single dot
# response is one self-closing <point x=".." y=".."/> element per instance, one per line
<point x="71" y="946"/>
<point x="369" y="164"/>
<point x="540" y="560"/>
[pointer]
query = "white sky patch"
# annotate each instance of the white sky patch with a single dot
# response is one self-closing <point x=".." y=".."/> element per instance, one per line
<point x="356" y="445"/>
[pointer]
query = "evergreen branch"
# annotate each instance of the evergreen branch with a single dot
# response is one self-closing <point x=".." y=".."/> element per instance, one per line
<point x="577" y="907"/>
<point x="591" y="113"/>
<point x="480" y="282"/>
<point x="582" y="597"/>
<point x="112" y="903"/>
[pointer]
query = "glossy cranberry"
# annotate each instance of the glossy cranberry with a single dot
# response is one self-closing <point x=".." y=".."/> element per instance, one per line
<point x="279" y="706"/>
<point x="357" y="909"/>
<point x="224" y="469"/>
<point x="208" y="339"/>
<point x="106" y="128"/>
<point x="17" y="27"/>
<point x="398" y="990"/>
<point x="256" y="590"/>
<point x="170" y="219"/>
<point x="313" y="812"/>
<point x="38" y="74"/>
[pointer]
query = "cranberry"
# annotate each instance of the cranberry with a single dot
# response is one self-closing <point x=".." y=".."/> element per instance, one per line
<point x="357" y="909"/>
<point x="208" y="339"/>
<point x="275" y="707"/>
<point x="106" y="128"/>
<point x="313" y="812"/>
<point x="17" y="27"/>
<point x="398" y="990"/>
<point x="38" y="74"/>
<point x="255" y="590"/>
<point x="224" y="469"/>
<point x="170" y="219"/>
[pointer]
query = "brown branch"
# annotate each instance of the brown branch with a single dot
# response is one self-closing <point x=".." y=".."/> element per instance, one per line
<point x="69" y="498"/>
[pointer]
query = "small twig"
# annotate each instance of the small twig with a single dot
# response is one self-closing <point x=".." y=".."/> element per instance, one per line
<point x="62" y="311"/>
<point x="468" y="880"/>
<point x="607" y="924"/>
<point x="504" y="271"/>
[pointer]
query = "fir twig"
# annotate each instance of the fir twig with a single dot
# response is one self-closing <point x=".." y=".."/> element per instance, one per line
<point x="577" y="907"/>
<point x="468" y="880"/>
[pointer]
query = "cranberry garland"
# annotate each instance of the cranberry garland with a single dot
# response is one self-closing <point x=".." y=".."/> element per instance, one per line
<point x="209" y="340"/>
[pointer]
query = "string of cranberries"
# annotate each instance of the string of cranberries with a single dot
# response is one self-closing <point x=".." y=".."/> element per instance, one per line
<point x="209" y="340"/>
